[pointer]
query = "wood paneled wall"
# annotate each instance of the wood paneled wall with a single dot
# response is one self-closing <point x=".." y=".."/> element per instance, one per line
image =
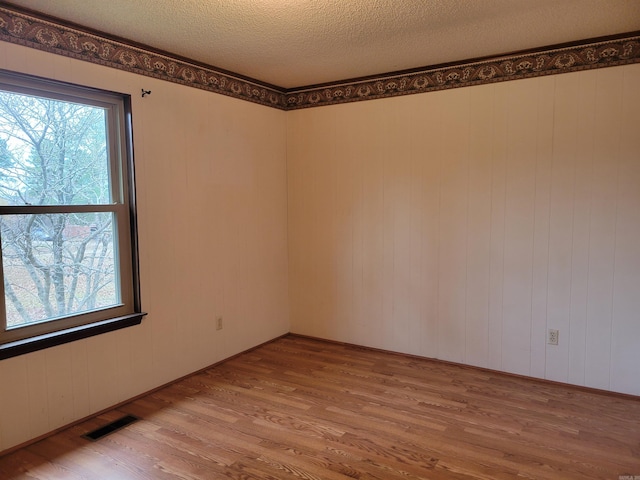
<point x="463" y="224"/>
<point x="212" y="205"/>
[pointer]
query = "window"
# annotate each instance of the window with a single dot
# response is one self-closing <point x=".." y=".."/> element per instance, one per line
<point x="67" y="216"/>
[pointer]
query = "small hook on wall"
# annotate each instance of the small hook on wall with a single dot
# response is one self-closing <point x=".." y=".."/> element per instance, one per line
<point x="145" y="92"/>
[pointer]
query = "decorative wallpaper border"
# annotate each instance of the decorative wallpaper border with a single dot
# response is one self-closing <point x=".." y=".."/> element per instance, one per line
<point x="620" y="51"/>
<point x="38" y="32"/>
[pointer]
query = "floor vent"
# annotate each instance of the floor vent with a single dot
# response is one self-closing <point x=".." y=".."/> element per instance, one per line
<point x="98" y="433"/>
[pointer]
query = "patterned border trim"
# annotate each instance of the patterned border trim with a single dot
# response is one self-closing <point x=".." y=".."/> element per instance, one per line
<point x="545" y="62"/>
<point x="28" y="30"/>
<point x="35" y="32"/>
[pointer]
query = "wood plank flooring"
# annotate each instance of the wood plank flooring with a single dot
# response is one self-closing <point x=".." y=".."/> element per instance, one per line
<point x="299" y="408"/>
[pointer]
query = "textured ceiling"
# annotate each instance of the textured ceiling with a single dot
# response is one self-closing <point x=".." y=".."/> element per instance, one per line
<point x="293" y="43"/>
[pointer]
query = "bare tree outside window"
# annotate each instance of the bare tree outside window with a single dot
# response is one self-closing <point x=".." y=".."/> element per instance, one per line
<point x="55" y="152"/>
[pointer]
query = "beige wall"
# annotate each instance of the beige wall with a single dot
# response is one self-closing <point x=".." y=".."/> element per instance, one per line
<point x="211" y="176"/>
<point x="463" y="224"/>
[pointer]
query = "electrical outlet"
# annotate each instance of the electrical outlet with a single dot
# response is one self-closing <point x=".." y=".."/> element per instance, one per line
<point x="552" y="336"/>
<point x="218" y="323"/>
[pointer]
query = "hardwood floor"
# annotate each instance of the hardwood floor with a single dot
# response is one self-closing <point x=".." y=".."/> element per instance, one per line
<point x="299" y="408"/>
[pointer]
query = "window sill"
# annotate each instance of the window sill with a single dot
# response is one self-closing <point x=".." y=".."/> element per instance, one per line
<point x="33" y="344"/>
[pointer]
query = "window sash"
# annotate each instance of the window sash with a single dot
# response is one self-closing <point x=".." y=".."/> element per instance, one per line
<point x="123" y="277"/>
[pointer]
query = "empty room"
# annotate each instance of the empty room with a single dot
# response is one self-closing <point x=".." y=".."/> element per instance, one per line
<point x="320" y="239"/>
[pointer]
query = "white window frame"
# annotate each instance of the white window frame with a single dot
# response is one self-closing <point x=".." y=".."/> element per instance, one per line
<point x="32" y="337"/>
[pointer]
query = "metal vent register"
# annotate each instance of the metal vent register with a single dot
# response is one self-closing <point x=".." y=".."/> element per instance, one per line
<point x="98" y="433"/>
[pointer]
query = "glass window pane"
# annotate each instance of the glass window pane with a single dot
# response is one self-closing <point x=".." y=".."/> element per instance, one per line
<point x="57" y="265"/>
<point x="52" y="152"/>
